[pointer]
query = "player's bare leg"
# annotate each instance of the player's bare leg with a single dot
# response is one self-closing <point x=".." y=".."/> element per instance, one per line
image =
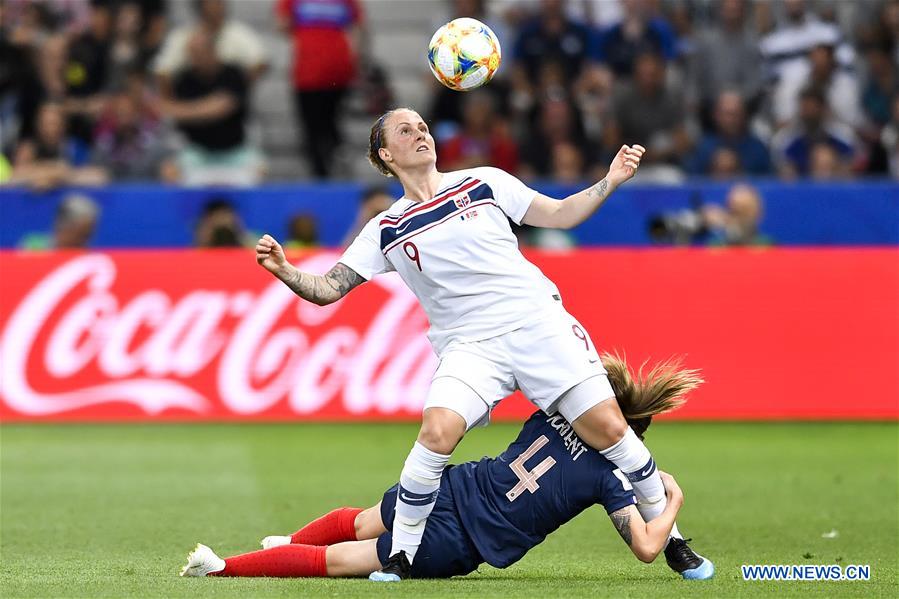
<point x="441" y="431"/>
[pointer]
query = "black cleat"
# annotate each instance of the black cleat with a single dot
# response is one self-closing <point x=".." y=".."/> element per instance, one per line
<point x="686" y="562"/>
<point x="398" y="568"/>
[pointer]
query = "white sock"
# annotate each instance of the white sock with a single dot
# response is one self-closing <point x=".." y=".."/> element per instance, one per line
<point x="636" y="463"/>
<point x="417" y="493"/>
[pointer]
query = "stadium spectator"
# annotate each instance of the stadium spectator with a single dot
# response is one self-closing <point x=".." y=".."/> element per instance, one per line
<point x="825" y="163"/>
<point x="86" y="72"/>
<point x="153" y="26"/>
<point x="70" y="16"/>
<point x="551" y="36"/>
<point x="326" y="37"/>
<point x="726" y="58"/>
<point x="649" y="111"/>
<point x="374" y="200"/>
<point x="483" y="140"/>
<point x="129" y="143"/>
<point x="731" y="133"/>
<point x="550" y="50"/>
<point x="568" y="164"/>
<point x="557" y="122"/>
<point x="786" y="52"/>
<point x="74" y="226"/>
<point x="792" y="146"/>
<point x="821" y="71"/>
<point x="881" y="86"/>
<point x="725" y="164"/>
<point x="302" y="232"/>
<point x="125" y="52"/>
<point x="738" y="223"/>
<point x="53" y="158"/>
<point x="639" y="32"/>
<point x="235" y="43"/>
<point x="220" y="226"/>
<point x="21" y="90"/>
<point x="210" y="107"/>
<point x="889" y="138"/>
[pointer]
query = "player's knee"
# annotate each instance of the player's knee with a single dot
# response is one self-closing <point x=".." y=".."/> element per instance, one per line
<point x="615" y="430"/>
<point x="440" y="436"/>
<point x="601" y="426"/>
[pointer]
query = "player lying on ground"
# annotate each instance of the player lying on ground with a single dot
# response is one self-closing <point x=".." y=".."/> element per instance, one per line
<point x="497" y="509"/>
<point x="497" y="323"/>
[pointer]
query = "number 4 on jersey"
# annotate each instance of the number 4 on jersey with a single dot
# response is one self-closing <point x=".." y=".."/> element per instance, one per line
<point x="527" y="479"/>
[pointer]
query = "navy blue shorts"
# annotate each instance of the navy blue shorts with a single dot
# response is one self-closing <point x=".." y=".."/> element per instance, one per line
<point x="446" y="549"/>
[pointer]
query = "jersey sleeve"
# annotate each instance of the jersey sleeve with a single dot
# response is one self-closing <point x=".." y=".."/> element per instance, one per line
<point x="513" y="196"/>
<point x="364" y="255"/>
<point x="615" y="492"/>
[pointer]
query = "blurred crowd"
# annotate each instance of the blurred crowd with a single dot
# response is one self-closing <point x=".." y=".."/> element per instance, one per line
<point x="112" y="90"/>
<point x="712" y="88"/>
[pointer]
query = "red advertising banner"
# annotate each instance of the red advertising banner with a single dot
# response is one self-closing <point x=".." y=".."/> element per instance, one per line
<point x="208" y="335"/>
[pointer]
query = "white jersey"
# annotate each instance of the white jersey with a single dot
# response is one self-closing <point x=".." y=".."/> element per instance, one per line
<point x="459" y="256"/>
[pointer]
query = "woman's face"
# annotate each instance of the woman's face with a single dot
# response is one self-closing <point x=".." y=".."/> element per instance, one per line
<point x="407" y="142"/>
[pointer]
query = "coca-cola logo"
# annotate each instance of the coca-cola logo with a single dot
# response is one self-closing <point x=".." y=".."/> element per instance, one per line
<point x="79" y="337"/>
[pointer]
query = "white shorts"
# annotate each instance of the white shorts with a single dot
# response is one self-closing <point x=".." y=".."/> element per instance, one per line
<point x="543" y="359"/>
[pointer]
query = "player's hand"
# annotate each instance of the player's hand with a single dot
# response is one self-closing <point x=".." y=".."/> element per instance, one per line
<point x="672" y="489"/>
<point x="625" y="164"/>
<point x="270" y="254"/>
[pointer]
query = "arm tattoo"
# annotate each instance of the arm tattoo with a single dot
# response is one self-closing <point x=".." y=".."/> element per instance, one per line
<point x="600" y="190"/>
<point x="325" y="289"/>
<point x="622" y="521"/>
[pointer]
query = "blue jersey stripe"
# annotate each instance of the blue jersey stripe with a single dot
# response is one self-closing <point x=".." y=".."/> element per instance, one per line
<point x="392" y="233"/>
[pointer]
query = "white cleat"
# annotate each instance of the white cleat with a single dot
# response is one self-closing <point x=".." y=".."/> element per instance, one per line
<point x="202" y="561"/>
<point x="274" y="541"/>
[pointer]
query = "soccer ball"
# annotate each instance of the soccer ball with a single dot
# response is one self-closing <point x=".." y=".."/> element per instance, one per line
<point x="464" y="54"/>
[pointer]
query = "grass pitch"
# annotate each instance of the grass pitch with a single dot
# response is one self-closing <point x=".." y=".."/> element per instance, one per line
<point x="111" y="511"/>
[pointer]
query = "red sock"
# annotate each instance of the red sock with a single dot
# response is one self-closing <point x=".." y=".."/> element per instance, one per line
<point x="334" y="527"/>
<point x="286" y="561"/>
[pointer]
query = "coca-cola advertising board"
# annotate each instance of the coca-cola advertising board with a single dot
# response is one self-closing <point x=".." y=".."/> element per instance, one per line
<point x="208" y="335"/>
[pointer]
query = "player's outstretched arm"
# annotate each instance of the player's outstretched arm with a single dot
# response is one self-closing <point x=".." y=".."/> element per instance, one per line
<point x="318" y="289"/>
<point x="648" y="539"/>
<point x="575" y="209"/>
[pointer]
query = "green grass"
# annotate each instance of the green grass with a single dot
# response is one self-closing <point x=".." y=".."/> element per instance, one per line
<point x="111" y="511"/>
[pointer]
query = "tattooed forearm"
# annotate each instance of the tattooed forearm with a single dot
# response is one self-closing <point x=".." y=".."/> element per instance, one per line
<point x="343" y="279"/>
<point x="622" y="521"/>
<point x="600" y="190"/>
<point x="325" y="289"/>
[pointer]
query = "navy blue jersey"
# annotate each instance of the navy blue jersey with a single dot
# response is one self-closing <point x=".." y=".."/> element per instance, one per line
<point x="546" y="477"/>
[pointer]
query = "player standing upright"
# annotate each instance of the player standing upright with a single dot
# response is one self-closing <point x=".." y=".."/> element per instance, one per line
<point x="497" y="323"/>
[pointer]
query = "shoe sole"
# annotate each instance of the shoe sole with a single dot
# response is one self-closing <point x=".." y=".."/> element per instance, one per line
<point x="704" y="571"/>
<point x="382" y="577"/>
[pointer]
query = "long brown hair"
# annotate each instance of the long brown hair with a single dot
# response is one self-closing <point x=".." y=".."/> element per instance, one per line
<point x="643" y="395"/>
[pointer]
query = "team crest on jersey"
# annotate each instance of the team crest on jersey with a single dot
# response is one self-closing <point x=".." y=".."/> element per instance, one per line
<point x="462" y="200"/>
